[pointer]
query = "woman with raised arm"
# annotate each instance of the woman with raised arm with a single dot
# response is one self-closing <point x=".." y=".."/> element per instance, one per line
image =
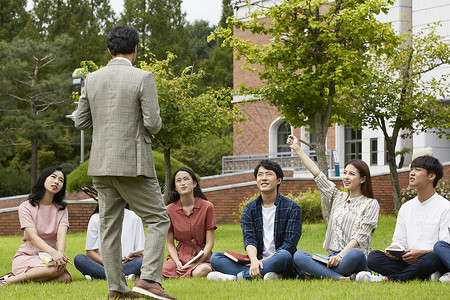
<point x="192" y="224"/>
<point x="353" y="218"/>
<point x="44" y="219"/>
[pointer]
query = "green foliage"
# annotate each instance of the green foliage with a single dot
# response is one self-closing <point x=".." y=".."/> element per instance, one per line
<point x="397" y="96"/>
<point x="86" y="21"/>
<point x="161" y="24"/>
<point x="205" y="157"/>
<point x="158" y="157"/>
<point x="309" y="202"/>
<point x="14" y="182"/>
<point x="34" y="94"/>
<point x="78" y="178"/>
<point x="442" y="188"/>
<point x="13" y="18"/>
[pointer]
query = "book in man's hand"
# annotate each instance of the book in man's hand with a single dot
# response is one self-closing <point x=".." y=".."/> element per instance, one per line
<point x="320" y="258"/>
<point x="239" y="258"/>
<point x="396" y="252"/>
<point x="194" y="259"/>
<point x="46" y="258"/>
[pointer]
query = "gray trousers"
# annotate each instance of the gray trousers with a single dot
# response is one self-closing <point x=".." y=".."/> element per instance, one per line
<point x="144" y="196"/>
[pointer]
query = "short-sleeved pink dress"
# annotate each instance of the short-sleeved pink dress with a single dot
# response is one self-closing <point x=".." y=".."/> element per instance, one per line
<point x="46" y="219"/>
<point x="190" y="232"/>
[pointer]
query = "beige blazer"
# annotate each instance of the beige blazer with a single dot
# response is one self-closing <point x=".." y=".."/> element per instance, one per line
<point x="119" y="103"/>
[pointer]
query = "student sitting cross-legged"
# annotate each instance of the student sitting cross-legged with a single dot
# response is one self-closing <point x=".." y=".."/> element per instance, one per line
<point x="271" y="226"/>
<point x="132" y="245"/>
<point x="421" y="222"/>
<point x="353" y="217"/>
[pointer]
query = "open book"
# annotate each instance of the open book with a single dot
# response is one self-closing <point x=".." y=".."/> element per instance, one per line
<point x="320" y="258"/>
<point x="46" y="258"/>
<point x="194" y="259"/>
<point x="239" y="258"/>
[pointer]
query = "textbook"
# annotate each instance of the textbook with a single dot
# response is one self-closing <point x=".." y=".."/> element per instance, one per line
<point x="192" y="260"/>
<point x="46" y="258"/>
<point x="320" y="257"/>
<point x="396" y="252"/>
<point x="239" y="258"/>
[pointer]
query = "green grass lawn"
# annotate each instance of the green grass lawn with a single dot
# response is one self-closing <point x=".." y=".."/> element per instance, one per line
<point x="229" y="237"/>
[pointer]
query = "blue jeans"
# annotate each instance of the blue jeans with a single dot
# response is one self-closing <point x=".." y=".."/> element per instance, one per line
<point x="92" y="268"/>
<point x="280" y="263"/>
<point x="352" y="262"/>
<point x="442" y="249"/>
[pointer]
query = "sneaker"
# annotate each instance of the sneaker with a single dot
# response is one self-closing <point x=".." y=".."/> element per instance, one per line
<point x="445" y="277"/>
<point x="365" y="276"/>
<point x="88" y="277"/>
<point x="216" y="276"/>
<point x="130" y="277"/>
<point x="435" y="276"/>
<point x="270" y="276"/>
<point x="240" y="275"/>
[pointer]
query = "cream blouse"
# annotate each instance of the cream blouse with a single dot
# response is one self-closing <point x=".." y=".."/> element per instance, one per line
<point x="354" y="220"/>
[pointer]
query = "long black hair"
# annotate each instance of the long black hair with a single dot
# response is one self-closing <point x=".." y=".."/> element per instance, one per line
<point x="38" y="191"/>
<point x="173" y="194"/>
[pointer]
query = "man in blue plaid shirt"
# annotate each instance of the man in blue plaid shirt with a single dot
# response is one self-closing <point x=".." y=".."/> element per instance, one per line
<point x="271" y="225"/>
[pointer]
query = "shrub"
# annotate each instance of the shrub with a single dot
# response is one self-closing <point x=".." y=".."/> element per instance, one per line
<point x="309" y="202"/>
<point x="442" y="188"/>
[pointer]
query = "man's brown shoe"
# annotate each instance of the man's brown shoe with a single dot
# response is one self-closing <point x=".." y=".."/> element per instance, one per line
<point x="150" y="290"/>
<point x="119" y="295"/>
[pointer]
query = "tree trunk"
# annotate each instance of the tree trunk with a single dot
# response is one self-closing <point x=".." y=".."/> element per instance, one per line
<point x="390" y="145"/>
<point x="168" y="175"/>
<point x="321" y="153"/>
<point x="34" y="158"/>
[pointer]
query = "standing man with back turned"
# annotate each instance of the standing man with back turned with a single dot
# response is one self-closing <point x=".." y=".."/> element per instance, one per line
<point x="120" y="104"/>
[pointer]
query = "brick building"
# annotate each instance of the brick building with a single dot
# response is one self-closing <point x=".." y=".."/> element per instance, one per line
<point x="265" y="132"/>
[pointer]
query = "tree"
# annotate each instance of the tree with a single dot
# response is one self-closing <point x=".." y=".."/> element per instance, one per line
<point x="86" y="21"/>
<point x="398" y="96"/>
<point x="31" y="93"/>
<point x="317" y="51"/>
<point x="219" y="67"/>
<point x="185" y="117"/>
<point x="161" y="24"/>
<point x="13" y="18"/>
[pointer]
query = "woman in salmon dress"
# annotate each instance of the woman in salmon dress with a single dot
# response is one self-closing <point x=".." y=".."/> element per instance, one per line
<point x="193" y="226"/>
<point x="44" y="219"/>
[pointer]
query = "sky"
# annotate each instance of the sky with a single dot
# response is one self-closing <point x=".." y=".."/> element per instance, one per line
<point x="209" y="10"/>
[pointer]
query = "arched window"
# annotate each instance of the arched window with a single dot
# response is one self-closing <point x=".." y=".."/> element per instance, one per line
<point x="284" y="130"/>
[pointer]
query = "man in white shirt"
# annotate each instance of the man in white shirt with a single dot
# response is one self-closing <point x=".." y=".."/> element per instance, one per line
<point x="421" y="222"/>
<point x="132" y="242"/>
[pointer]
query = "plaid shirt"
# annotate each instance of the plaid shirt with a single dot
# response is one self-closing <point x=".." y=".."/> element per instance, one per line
<point x="287" y="227"/>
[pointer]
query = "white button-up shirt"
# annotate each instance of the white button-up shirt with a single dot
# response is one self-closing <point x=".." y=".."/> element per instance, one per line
<point x="420" y="225"/>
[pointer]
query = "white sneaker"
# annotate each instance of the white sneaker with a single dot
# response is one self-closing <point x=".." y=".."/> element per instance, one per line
<point x="216" y="276"/>
<point x="130" y="277"/>
<point x="88" y="277"/>
<point x="270" y="276"/>
<point x="435" y="276"/>
<point x="445" y="277"/>
<point x="365" y="276"/>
